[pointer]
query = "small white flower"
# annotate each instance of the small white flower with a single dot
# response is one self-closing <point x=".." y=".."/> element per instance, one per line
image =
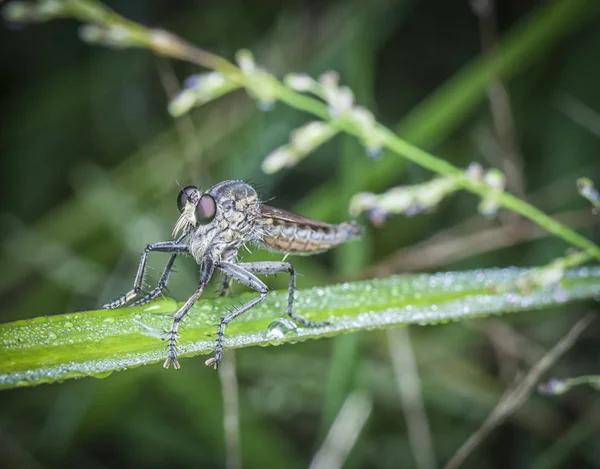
<point x="474" y="172"/>
<point x="182" y="103"/>
<point x="245" y="60"/>
<point x="299" y="82"/>
<point x="495" y="179"/>
<point x="305" y="139"/>
<point x="278" y="159"/>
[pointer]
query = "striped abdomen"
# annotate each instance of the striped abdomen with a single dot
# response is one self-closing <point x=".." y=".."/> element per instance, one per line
<point x="291" y="233"/>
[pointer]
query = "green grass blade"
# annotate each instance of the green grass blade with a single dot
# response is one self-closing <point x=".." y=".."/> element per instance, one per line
<point x="95" y="343"/>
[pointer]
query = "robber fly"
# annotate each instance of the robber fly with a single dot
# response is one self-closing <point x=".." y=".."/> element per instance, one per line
<point x="213" y="225"/>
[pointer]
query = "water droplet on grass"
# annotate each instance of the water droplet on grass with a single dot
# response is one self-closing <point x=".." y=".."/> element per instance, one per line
<point x="279" y="328"/>
<point x="102" y="375"/>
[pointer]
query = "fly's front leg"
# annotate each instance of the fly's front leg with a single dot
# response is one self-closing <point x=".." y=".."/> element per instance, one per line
<point x="268" y="268"/>
<point x="246" y="278"/>
<point x="162" y="246"/>
<point x="176" y="247"/>
<point x="206" y="270"/>
<point x="162" y="283"/>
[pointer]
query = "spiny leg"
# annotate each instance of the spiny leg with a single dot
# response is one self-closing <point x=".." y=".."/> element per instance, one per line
<point x="246" y="278"/>
<point x="268" y="268"/>
<point x="206" y="270"/>
<point x="173" y="332"/>
<point x="225" y="286"/>
<point x="163" y="246"/>
<point x="162" y="283"/>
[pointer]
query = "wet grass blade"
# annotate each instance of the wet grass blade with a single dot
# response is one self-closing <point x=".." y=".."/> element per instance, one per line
<point x="48" y="349"/>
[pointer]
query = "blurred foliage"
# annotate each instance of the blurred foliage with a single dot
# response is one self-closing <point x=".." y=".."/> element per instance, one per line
<point x="89" y="170"/>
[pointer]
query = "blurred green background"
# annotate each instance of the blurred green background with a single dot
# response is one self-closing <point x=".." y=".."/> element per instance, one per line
<point x="90" y="165"/>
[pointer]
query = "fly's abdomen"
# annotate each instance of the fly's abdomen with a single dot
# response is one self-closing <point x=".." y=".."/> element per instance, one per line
<point x="302" y="238"/>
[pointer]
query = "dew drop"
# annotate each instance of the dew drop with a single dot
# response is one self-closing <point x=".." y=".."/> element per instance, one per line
<point x="561" y="295"/>
<point x="279" y="328"/>
<point x="511" y="298"/>
<point x="102" y="374"/>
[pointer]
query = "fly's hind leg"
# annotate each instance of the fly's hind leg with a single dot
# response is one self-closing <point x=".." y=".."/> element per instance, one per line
<point x="268" y="268"/>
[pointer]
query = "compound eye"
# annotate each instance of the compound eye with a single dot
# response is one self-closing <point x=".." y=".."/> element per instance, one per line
<point x="206" y="209"/>
<point x="184" y="196"/>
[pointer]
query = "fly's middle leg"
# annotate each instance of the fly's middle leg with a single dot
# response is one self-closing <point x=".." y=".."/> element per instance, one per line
<point x="234" y="271"/>
<point x="269" y="268"/>
<point x="225" y="289"/>
<point x="206" y="270"/>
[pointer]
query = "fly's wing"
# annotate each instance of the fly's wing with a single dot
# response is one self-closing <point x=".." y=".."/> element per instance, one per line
<point x="287" y="232"/>
<point x="279" y="215"/>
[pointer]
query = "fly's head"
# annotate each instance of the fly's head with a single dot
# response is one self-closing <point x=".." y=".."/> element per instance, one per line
<point x="219" y="220"/>
<point x="196" y="209"/>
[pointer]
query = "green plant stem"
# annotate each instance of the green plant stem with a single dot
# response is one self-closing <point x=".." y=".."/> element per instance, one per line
<point x="167" y="44"/>
<point x="447" y="107"/>
<point x="504" y="199"/>
<point x="95" y="343"/>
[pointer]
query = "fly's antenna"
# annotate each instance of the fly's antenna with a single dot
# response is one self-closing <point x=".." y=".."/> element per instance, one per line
<point x="182" y="187"/>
